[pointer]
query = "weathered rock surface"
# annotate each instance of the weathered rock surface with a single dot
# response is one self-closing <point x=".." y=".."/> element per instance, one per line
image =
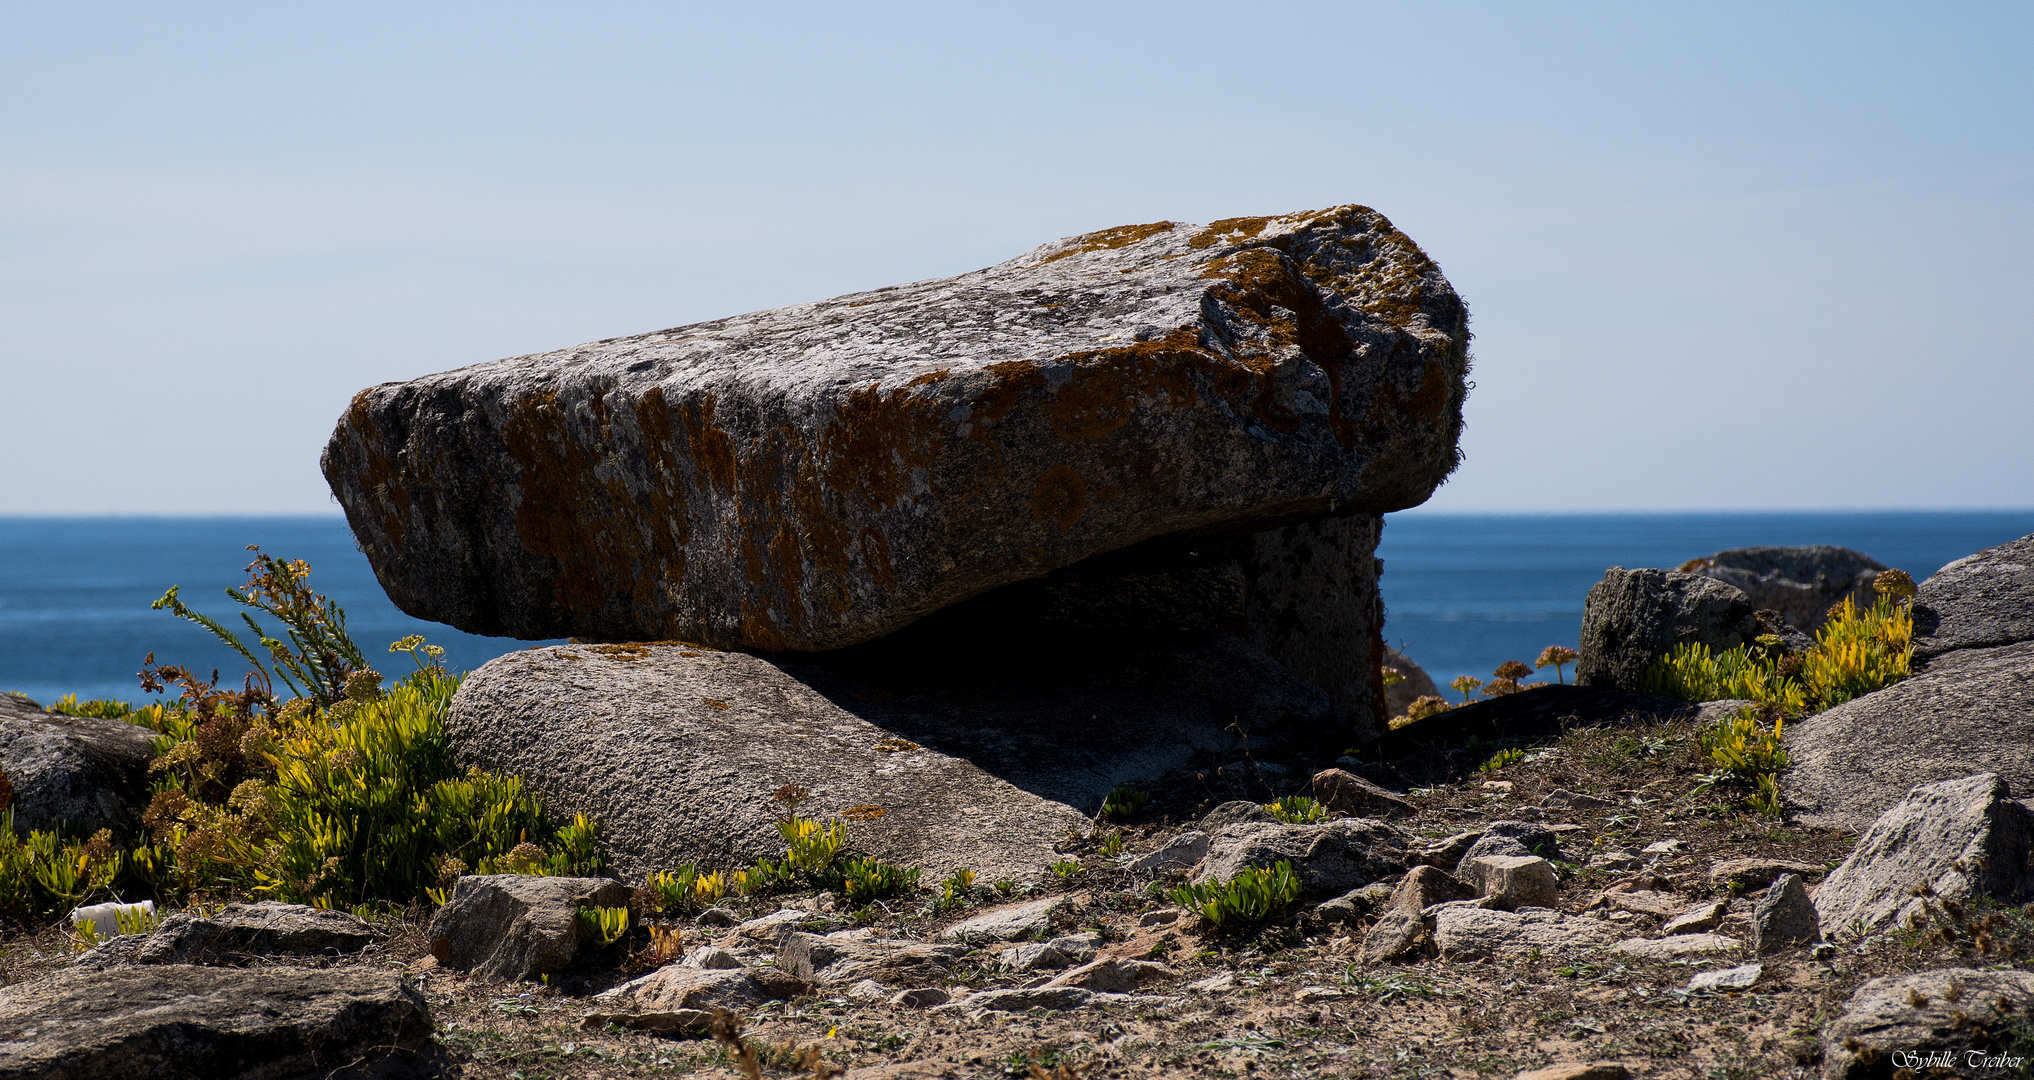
<point x="1344" y="792"/>
<point x="1953" y="1010"/>
<point x="818" y="475"/>
<point x="1741" y="977"/>
<point x="1011" y="923"/>
<point x="1511" y="882"/>
<point x="1667" y="948"/>
<point x="1112" y="975"/>
<point x="1981" y="601"/>
<point x="839" y="959"/>
<point x="1801" y="583"/>
<point x="948" y="753"/>
<point x="1633" y="617"/>
<point x="1401" y="930"/>
<point x="1330" y="858"/>
<point x="1971" y="710"/>
<point x="1471" y="933"/>
<point x="1235" y="812"/>
<point x="1784" y="918"/>
<point x="1578" y="1070"/>
<point x="1179" y="853"/>
<point x="1513" y="838"/>
<point x="508" y="927"/>
<point x="1958" y="838"/>
<point x="1757" y="871"/>
<point x="85" y="773"/>
<point x="1417" y="684"/>
<point x="1060" y="952"/>
<point x="1702" y="917"/>
<point x="176" y="1020"/>
<point x="237" y="934"/>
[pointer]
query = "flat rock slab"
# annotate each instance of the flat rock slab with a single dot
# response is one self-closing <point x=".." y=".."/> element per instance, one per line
<point x="1980" y="601"/>
<point x="818" y="475"/>
<point x="950" y="755"/>
<point x="176" y="1021"/>
<point x="1472" y="933"/>
<point x="238" y="934"/>
<point x="87" y="773"/>
<point x="1970" y="711"/>
<point x="1952" y="1011"/>
<point x="1667" y="948"/>
<point x="1011" y="923"/>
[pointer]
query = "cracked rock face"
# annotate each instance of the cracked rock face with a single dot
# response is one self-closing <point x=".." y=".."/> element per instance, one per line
<point x="815" y="476"/>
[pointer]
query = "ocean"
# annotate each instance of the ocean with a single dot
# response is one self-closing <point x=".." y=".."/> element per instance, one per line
<point x="1463" y="593"/>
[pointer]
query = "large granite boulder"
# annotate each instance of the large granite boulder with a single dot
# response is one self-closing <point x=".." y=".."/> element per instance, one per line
<point x="1951" y="841"/>
<point x="1981" y="601"/>
<point x="1971" y="710"/>
<point x="181" y="1021"/>
<point x="819" y="475"/>
<point x="1801" y="583"/>
<point x="83" y="773"/>
<point x="1633" y="617"/>
<point x="945" y="750"/>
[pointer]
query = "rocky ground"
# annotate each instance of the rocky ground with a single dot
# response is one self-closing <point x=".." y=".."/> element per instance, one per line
<point x="1292" y="999"/>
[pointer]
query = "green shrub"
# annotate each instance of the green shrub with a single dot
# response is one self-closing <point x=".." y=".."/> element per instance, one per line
<point x="608" y="924"/>
<point x="866" y="880"/>
<point x="1252" y="897"/>
<point x="1749" y="755"/>
<point x="1857" y="652"/>
<point x="344" y="795"/>
<point x="1121" y="802"/>
<point x="1297" y="810"/>
<point x="1508" y="756"/>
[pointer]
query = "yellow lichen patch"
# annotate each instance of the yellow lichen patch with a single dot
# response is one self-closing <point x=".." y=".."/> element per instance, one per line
<point x="1229" y="230"/>
<point x="896" y="746"/>
<point x="1109" y="239"/>
<point x="1061" y="496"/>
<point x="625" y="653"/>
<point x="711" y="447"/>
<point x="1107" y="384"/>
<point x="876" y="440"/>
<point x="714" y="703"/>
<point x="863" y="813"/>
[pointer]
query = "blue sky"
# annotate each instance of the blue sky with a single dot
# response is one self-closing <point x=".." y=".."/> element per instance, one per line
<point x="1718" y="256"/>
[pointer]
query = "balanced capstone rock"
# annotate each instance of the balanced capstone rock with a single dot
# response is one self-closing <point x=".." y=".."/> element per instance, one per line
<point x="820" y="475"/>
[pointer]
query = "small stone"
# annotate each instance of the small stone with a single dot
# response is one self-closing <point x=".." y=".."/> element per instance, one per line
<point x="1615" y="861"/>
<point x="1345" y="792"/>
<point x="1697" y="919"/>
<point x="1511" y="882"/>
<point x="1757" y="873"/>
<point x="1179" y="853"/>
<point x="1514" y="838"/>
<point x="1011" y="923"/>
<point x="1447" y="854"/>
<point x="1667" y="948"/>
<point x="1502" y="787"/>
<point x="1594" y="1070"/>
<point x="834" y="959"/>
<point x="1329" y="858"/>
<point x="1563" y="799"/>
<point x="1824" y="951"/>
<point x="1666" y="847"/>
<point x="1785" y="917"/>
<point x="712" y="958"/>
<point x="1050" y="955"/>
<point x="1214" y="983"/>
<point x="868" y="992"/>
<point x="507" y="927"/>
<point x="1234" y="812"/>
<point x="924" y="997"/>
<point x="718" y="916"/>
<point x="1737" y="978"/>
<point x="1161" y="917"/>
<point x="1111" y="975"/>
<point x="771" y="928"/>
<point x="1024" y="999"/>
<point x="1402" y="930"/>
<point x="1470" y="933"/>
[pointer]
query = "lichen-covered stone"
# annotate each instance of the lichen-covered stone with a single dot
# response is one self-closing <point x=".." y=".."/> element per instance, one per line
<point x="1951" y="841"/>
<point x="85" y="773"/>
<point x="820" y="475"/>
<point x="508" y="927"/>
<point x="1633" y="617"/>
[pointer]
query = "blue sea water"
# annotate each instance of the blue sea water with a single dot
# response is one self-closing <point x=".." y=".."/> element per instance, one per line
<point x="1463" y="593"/>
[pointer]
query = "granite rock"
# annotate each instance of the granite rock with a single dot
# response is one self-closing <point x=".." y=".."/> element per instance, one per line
<point x="509" y="927"/>
<point x="1971" y="710"/>
<point x="1472" y="933"/>
<point x="1344" y="792"/>
<point x="1801" y="583"/>
<point x="237" y="934"/>
<point x="87" y="774"/>
<point x="1784" y="918"/>
<point x="183" y="1020"/>
<point x="819" y="475"/>
<point x="1957" y="1010"/>
<point x="1401" y="930"/>
<point x="1633" y="617"/>
<point x="1980" y="601"/>
<point x="1330" y="858"/>
<point x="1957" y="839"/>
